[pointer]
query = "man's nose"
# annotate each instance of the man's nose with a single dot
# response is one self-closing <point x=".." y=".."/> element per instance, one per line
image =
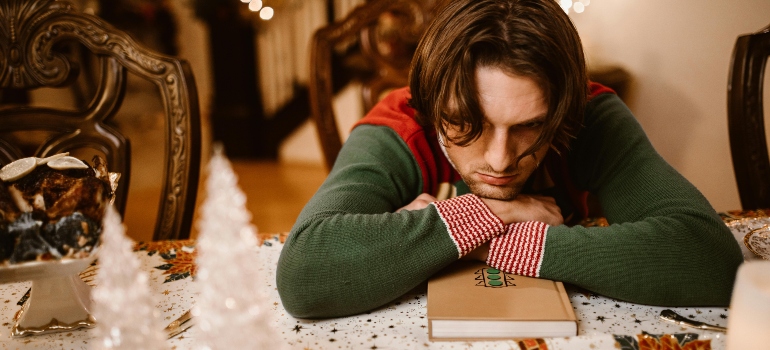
<point x="500" y="151"/>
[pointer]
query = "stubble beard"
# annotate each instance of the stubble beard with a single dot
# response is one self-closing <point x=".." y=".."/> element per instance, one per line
<point x="483" y="190"/>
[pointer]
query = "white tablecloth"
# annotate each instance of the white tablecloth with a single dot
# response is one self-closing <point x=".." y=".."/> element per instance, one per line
<point x="604" y="323"/>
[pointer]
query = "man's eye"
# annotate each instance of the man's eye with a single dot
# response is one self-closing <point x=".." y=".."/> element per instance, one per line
<point x="532" y="125"/>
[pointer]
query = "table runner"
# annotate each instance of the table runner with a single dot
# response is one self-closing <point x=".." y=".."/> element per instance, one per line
<point x="604" y="323"/>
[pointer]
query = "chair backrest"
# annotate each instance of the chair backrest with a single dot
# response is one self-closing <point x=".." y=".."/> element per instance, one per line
<point x="745" y="114"/>
<point x="33" y="36"/>
<point x="378" y="40"/>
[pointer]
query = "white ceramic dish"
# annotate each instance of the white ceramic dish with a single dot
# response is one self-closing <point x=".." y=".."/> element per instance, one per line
<point x="59" y="300"/>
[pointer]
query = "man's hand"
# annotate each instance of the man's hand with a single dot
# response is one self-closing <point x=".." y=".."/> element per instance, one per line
<point x="526" y="208"/>
<point x="421" y="202"/>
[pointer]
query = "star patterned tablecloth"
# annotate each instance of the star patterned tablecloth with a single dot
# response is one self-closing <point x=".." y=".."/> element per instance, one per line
<point x="604" y="323"/>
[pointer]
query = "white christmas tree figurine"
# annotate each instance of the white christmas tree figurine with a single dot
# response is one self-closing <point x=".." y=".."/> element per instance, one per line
<point x="232" y="310"/>
<point x="123" y="305"/>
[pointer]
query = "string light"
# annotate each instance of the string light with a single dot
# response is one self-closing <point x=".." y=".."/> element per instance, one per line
<point x="255" y="5"/>
<point x="578" y="5"/>
<point x="265" y="13"/>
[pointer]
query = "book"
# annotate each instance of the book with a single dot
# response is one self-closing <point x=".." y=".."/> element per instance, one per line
<point x="469" y="300"/>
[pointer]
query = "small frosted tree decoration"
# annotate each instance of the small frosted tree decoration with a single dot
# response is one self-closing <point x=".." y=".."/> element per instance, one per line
<point x="232" y="310"/>
<point x="123" y="305"/>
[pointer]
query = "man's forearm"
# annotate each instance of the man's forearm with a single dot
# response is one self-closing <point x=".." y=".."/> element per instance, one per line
<point x="526" y="208"/>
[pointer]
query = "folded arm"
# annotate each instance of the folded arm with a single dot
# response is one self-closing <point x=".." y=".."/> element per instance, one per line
<point x="350" y="250"/>
<point x="665" y="245"/>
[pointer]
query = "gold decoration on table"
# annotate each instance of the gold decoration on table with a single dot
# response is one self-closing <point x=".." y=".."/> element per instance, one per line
<point x="747" y="226"/>
<point x="182" y="265"/>
<point x="758" y="242"/>
<point x="50" y="327"/>
<point x="670" y="341"/>
<point x="179" y="257"/>
<point x="736" y="215"/>
<point x="164" y="247"/>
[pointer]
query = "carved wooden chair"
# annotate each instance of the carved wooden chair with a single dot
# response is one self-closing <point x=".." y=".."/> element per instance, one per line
<point x="33" y="37"/>
<point x="374" y="44"/>
<point x="745" y="115"/>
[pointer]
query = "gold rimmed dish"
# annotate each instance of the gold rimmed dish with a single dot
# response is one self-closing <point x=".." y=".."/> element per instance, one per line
<point x="758" y="241"/>
<point x="59" y="299"/>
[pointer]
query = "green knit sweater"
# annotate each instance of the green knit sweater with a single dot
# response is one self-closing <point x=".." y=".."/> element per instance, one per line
<point x="349" y="252"/>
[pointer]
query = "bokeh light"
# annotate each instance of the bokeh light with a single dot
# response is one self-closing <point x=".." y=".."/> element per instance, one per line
<point x="255" y="5"/>
<point x="577" y="5"/>
<point x="266" y="13"/>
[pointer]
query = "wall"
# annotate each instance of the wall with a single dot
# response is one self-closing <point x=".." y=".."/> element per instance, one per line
<point x="678" y="53"/>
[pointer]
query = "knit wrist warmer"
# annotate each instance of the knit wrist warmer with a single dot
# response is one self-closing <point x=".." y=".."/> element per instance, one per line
<point x="469" y="222"/>
<point x="520" y="249"/>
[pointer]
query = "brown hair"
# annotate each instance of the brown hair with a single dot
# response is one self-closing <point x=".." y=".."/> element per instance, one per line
<point x="532" y="38"/>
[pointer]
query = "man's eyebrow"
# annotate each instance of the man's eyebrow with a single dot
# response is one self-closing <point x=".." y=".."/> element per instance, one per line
<point x="539" y="118"/>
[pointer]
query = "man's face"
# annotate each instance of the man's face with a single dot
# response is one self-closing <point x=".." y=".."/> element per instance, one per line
<point x="514" y="111"/>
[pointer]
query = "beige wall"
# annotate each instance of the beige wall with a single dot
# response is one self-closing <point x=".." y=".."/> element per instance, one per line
<point x="678" y="53"/>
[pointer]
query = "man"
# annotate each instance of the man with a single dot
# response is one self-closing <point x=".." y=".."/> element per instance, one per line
<point x="493" y="147"/>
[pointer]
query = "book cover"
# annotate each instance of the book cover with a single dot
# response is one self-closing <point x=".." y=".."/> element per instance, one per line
<point x="469" y="300"/>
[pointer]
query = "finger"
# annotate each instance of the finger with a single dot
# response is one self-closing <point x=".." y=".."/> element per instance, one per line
<point x="427" y="198"/>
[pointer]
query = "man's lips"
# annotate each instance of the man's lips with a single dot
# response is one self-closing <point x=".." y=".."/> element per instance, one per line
<point x="496" y="180"/>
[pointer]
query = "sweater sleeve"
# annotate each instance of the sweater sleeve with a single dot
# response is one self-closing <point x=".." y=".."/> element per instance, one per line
<point x="665" y="245"/>
<point x="350" y="252"/>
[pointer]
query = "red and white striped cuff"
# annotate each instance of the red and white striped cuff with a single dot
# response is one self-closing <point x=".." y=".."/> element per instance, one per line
<point x="469" y="222"/>
<point x="520" y="249"/>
